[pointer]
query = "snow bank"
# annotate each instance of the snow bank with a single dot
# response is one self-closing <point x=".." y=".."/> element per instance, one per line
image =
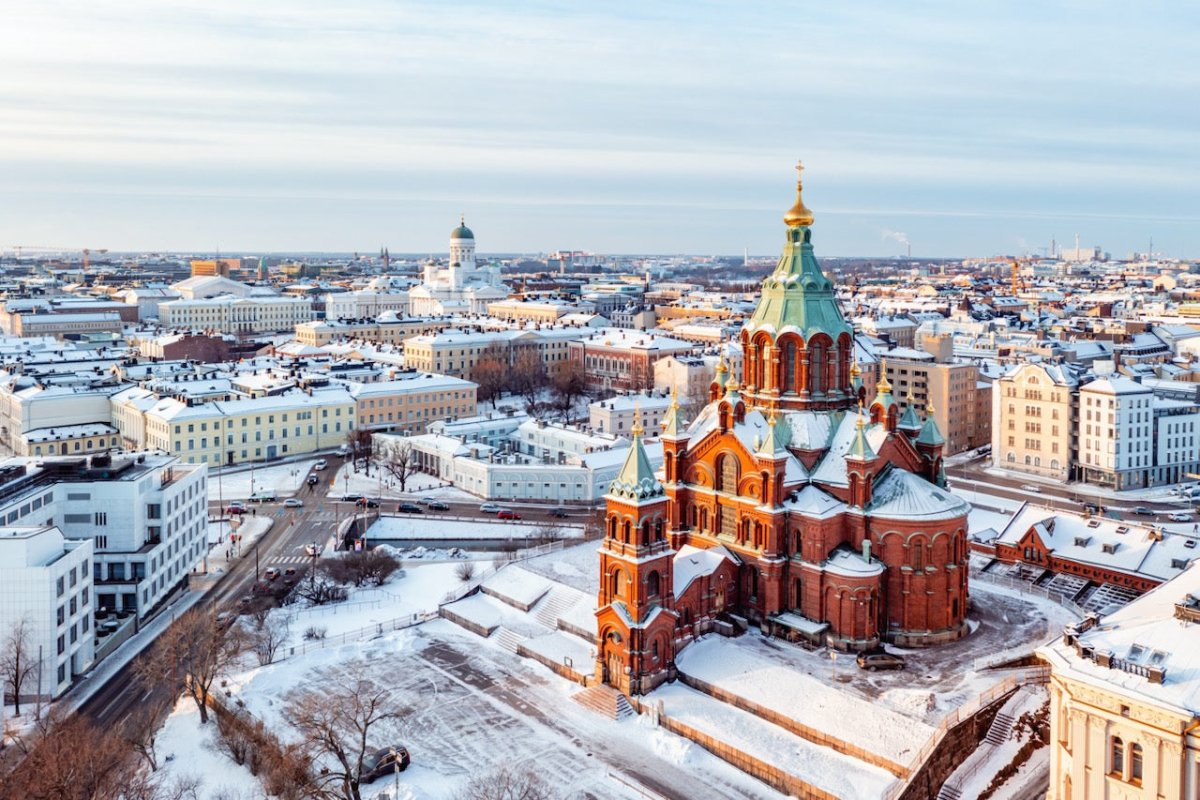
<point x="518" y="585"/>
<point x="420" y="527"/>
<point x="187" y="749"/>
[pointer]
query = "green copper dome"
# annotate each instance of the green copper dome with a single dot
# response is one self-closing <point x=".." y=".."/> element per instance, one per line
<point x="462" y="231"/>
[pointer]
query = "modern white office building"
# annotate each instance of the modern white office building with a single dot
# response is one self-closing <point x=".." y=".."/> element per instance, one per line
<point x="46" y="585"/>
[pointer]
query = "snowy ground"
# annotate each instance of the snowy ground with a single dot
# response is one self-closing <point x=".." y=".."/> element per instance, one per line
<point x="981" y="519"/>
<point x="284" y="479"/>
<point x="345" y="481"/>
<point x="421" y="527"/>
<point x="186" y="750"/>
<point x="975" y="774"/>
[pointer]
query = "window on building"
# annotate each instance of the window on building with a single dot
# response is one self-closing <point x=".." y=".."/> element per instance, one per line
<point x="1117" y="756"/>
<point x="1135" y="763"/>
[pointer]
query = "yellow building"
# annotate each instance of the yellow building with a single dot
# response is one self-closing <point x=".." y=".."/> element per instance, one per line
<point x="1123" y="688"/>
<point x="951" y="390"/>
<point x="260" y="429"/>
<point x="66" y="440"/>
<point x="454" y="352"/>
<point x="215" y="266"/>
<point x="411" y="404"/>
<point x="319" y="333"/>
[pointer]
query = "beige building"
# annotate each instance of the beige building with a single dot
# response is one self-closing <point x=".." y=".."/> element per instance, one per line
<point x="410" y="405"/>
<point x="528" y="311"/>
<point x="951" y="389"/>
<point x="455" y="352"/>
<point x="1032" y="426"/>
<point x="229" y="314"/>
<point x="96" y="437"/>
<point x="1123" y="721"/>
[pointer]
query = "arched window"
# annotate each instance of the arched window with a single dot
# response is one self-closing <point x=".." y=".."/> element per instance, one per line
<point x="1028" y="460"/>
<point x="1117" y="756"/>
<point x="626" y="531"/>
<point x="754" y="583"/>
<point x="1135" y="763"/>
<point x="816" y="368"/>
<point x="646" y="533"/>
<point x="619" y="580"/>
<point x="727" y="474"/>
<point x="918" y="555"/>
<point x="658" y="530"/>
<point x="654" y="649"/>
<point x="652" y="584"/>
<point x="1012" y="458"/>
<point x="789" y="367"/>
<point x="612" y="527"/>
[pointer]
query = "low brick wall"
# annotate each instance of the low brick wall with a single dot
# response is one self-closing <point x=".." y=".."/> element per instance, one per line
<point x="557" y="667"/>
<point x="587" y="636"/>
<point x="803" y="731"/>
<point x="772" y="776"/>
<point x="490" y="592"/>
<point x="474" y="627"/>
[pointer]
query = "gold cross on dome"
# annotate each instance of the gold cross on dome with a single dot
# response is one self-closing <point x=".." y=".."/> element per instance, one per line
<point x="799" y="169"/>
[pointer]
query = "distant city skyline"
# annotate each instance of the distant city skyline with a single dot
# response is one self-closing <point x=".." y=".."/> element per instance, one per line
<point x="963" y="129"/>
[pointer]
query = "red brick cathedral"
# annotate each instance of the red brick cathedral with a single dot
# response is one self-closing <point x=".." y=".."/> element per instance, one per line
<point x="784" y="503"/>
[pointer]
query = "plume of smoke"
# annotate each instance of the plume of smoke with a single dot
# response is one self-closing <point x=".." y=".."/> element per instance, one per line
<point x="896" y="236"/>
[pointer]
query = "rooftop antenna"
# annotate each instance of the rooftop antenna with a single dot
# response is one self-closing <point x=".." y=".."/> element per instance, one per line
<point x="745" y="256"/>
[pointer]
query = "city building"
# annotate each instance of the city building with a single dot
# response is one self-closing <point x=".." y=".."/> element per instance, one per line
<point x="782" y="502"/>
<point x="236" y="315"/>
<point x="410" y="404"/>
<point x="46" y="585"/>
<point x="1033" y="422"/>
<point x="1122" y="699"/>
<point x="950" y="391"/>
<point x="463" y="287"/>
<point x="455" y="352"/>
<point x="617" y="414"/>
<point x="623" y="360"/>
<point x="387" y="328"/>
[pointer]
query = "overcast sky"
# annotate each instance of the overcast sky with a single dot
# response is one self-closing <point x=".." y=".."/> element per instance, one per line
<point x="971" y="128"/>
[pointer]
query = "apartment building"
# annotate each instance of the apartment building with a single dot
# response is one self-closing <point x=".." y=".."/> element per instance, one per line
<point x="1033" y="425"/>
<point x="46" y="584"/>
<point x="385" y="329"/>
<point x="950" y="389"/>
<point x="366" y="304"/>
<point x="530" y="311"/>
<point x="25" y="409"/>
<point x="616" y="415"/>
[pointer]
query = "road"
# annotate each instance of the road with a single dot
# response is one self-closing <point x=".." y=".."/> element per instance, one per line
<point x="972" y="476"/>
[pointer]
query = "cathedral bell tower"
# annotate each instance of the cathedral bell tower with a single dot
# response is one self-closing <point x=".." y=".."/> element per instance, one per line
<point x="636" y="618"/>
<point x="798" y="348"/>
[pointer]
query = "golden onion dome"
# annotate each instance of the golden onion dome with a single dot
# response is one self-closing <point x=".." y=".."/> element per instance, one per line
<point x="799" y="214"/>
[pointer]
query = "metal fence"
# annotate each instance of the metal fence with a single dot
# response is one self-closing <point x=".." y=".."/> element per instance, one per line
<point x="358" y="635"/>
<point x="1027" y="588"/>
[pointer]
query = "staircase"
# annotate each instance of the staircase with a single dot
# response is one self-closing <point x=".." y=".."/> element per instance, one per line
<point x="948" y="792"/>
<point x="605" y="701"/>
<point x="1001" y="729"/>
<point x="557" y="603"/>
<point x="507" y="638"/>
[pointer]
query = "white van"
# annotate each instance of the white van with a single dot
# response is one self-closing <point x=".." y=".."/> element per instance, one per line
<point x="265" y="496"/>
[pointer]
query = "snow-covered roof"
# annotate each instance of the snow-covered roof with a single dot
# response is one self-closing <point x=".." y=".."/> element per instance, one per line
<point x="850" y="564"/>
<point x="694" y="562"/>
<point x="832" y="467"/>
<point x="812" y="502"/>
<point x="903" y="495"/>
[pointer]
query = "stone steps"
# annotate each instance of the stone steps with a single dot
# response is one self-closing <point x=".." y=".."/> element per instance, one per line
<point x="553" y="606"/>
<point x="1000" y="730"/>
<point x="507" y="638"/>
<point x="605" y="701"/>
<point x="948" y="792"/>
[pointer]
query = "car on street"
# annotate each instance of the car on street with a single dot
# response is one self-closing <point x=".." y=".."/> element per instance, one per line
<point x="289" y="572"/>
<point x="384" y="762"/>
<point x="409" y="508"/>
<point x="352" y="498"/>
<point x="235" y="508"/>
<point x="558" y="513"/>
<point x="879" y="660"/>
<point x="322" y="464"/>
<point x="312" y="480"/>
<point x="507" y="513"/>
<point x="1143" y="511"/>
<point x="1091" y="508"/>
<point x="344" y="450"/>
<point x="1179" y="516"/>
<point x="438" y="505"/>
<point x="312" y="549"/>
<point x="490" y="508"/>
<point x="293" y="502"/>
<point x="271" y="574"/>
<point x="1031" y="487"/>
<point x="369" y="502"/>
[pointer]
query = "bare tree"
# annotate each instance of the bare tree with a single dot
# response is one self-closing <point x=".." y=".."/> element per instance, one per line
<point x="359" y="442"/>
<point x="335" y="725"/>
<point x="18" y="660"/>
<point x="400" y="461"/>
<point x="270" y="636"/>
<point x="195" y="650"/>
<point x="569" y="384"/>
<point x="490" y="374"/>
<point x="528" y="376"/>
<point x="465" y="571"/>
<point x="140" y="729"/>
<point x="362" y="567"/>
<point x="506" y="783"/>
<point x="321" y="590"/>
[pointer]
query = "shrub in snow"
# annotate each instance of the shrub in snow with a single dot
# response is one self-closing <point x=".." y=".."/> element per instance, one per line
<point x="313" y="632"/>
<point x="465" y="571"/>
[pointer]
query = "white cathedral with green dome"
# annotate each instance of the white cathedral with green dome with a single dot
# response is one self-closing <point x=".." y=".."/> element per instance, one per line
<point x="460" y="287"/>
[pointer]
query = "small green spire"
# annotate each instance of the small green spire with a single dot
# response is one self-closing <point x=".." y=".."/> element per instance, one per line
<point x="930" y="434"/>
<point x="910" y="421"/>
<point x="673" y="424"/>
<point x="860" y="448"/>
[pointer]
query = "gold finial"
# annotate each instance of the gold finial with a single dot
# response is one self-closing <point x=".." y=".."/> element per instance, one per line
<point x="721" y="368"/>
<point x="462" y="220"/>
<point x="861" y="422"/>
<point x="883" y="385"/>
<point x="798" y="214"/>
<point x="637" y="429"/>
<point x="929" y="408"/>
<point x="674" y="397"/>
<point x="771" y="420"/>
<point x="854" y="370"/>
<point x="909" y="397"/>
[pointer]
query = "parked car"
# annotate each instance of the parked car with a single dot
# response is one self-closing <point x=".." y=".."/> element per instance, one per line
<point x="874" y="661"/>
<point x="235" y="508"/>
<point x="370" y="502"/>
<point x="1179" y="516"/>
<point x="271" y="574"/>
<point x="322" y="464"/>
<point x="312" y="480"/>
<point x="558" y="513"/>
<point x="352" y="498"/>
<point x="438" y="505"/>
<point x="344" y="450"/>
<point x="312" y="549"/>
<point x="289" y="572"/>
<point x="383" y="763"/>
<point x="1143" y="511"/>
<point x="489" y="508"/>
<point x="507" y="513"/>
<point x="409" y="508"/>
<point x="293" y="502"/>
<point x="1091" y="508"/>
<point x="1031" y="487"/>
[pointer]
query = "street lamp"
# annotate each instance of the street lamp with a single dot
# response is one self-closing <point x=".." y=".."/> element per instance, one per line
<point x="396" y="770"/>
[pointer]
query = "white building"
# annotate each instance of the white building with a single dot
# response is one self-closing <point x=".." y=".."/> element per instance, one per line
<point x="230" y="314"/>
<point x="616" y="414"/>
<point x="1116" y="432"/>
<point x="463" y="287"/>
<point x="145" y="514"/>
<point x="46" y="581"/>
<point x="1123" y="709"/>
<point x="380" y="295"/>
